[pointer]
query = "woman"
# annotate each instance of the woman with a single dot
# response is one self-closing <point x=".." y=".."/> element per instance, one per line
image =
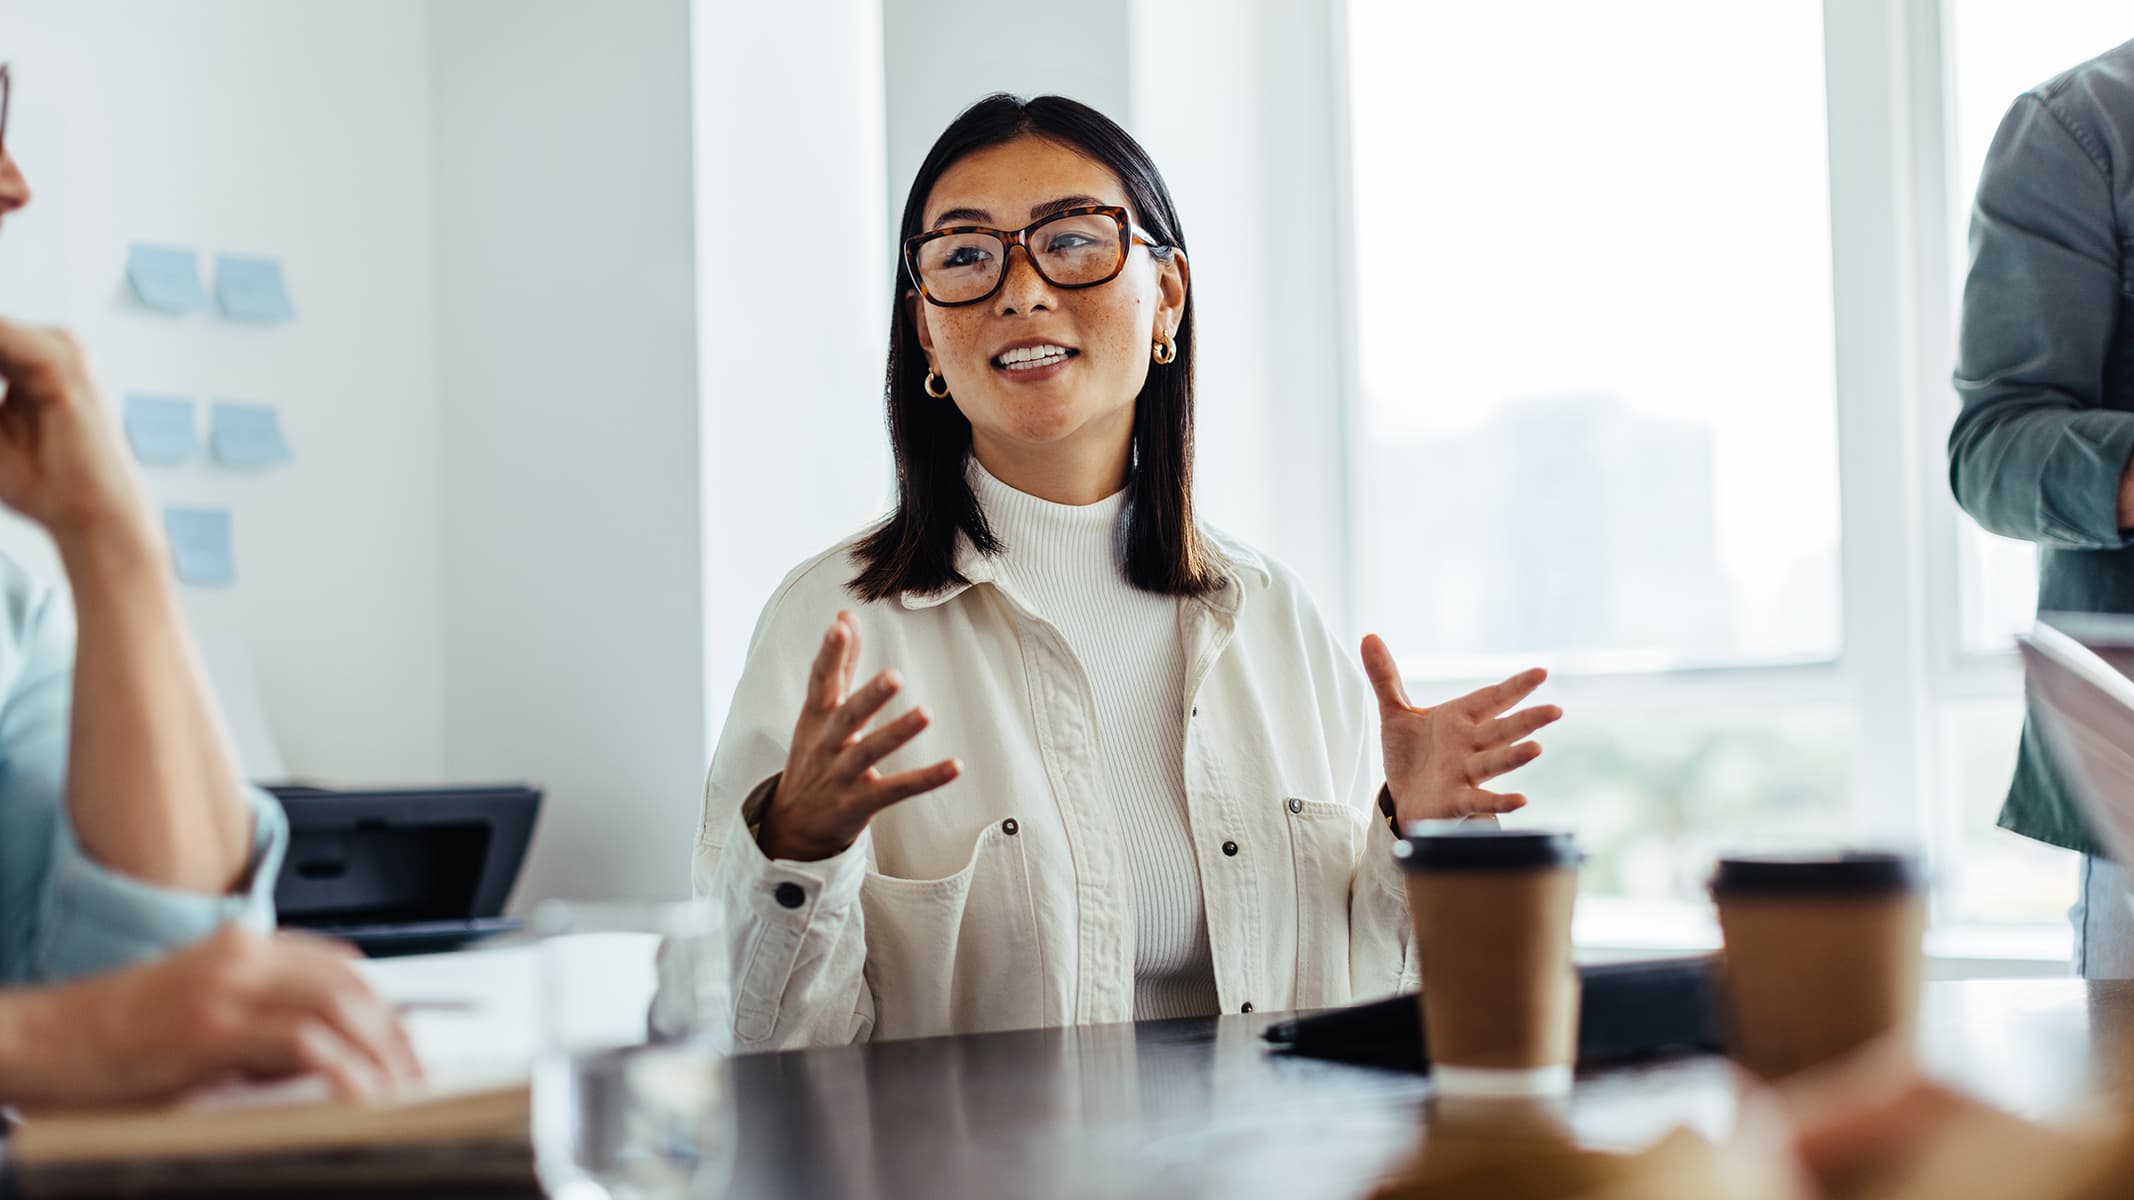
<point x="1170" y="800"/>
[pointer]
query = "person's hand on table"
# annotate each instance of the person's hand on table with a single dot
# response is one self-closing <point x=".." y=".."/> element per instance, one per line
<point x="236" y="1005"/>
<point x="830" y="788"/>
<point x="1438" y="758"/>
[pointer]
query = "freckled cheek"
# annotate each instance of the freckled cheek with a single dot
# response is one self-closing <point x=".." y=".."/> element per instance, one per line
<point x="1115" y="332"/>
<point x="961" y="342"/>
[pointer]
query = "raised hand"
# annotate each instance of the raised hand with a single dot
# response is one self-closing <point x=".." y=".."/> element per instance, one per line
<point x="830" y="788"/>
<point x="1438" y="758"/>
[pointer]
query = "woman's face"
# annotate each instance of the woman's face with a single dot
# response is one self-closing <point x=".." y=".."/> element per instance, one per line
<point x="1107" y="331"/>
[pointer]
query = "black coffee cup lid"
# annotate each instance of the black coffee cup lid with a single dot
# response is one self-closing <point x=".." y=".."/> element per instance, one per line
<point x="1847" y="872"/>
<point x="1485" y="848"/>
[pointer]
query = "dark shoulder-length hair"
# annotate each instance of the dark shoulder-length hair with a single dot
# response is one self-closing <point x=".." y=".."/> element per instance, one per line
<point x="914" y="549"/>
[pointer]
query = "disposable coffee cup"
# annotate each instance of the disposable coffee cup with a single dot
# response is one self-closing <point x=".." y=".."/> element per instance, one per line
<point x="1492" y="913"/>
<point x="1822" y="954"/>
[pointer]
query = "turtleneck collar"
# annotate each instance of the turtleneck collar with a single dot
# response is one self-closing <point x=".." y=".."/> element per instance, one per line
<point x="1016" y="516"/>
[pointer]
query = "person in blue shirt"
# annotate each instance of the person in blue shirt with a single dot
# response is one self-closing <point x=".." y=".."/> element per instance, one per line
<point x="137" y="958"/>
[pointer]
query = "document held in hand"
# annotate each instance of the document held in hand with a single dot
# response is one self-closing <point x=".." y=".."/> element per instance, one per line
<point x="2079" y="676"/>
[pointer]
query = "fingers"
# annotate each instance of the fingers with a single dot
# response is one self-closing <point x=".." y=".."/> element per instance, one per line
<point x="1496" y="802"/>
<point x="25" y="349"/>
<point x="1384" y="671"/>
<point x="824" y="691"/>
<point x="897" y="788"/>
<point x="278" y="1045"/>
<point x="852" y="652"/>
<point x="1489" y="764"/>
<point x="1497" y="697"/>
<point x="1519" y="726"/>
<point x="317" y="979"/>
<point x="860" y="708"/>
<point x="882" y="743"/>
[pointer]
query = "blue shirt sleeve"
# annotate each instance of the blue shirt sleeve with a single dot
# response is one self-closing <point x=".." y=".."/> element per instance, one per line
<point x="63" y="914"/>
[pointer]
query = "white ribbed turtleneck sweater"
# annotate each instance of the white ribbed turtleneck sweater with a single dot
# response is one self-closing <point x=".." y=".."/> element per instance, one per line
<point x="1068" y="562"/>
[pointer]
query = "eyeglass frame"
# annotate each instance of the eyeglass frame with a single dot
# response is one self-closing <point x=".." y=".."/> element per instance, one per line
<point x="1130" y="235"/>
<point x="7" y="92"/>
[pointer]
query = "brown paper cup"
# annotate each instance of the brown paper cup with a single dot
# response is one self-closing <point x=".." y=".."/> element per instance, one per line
<point x="1822" y="955"/>
<point x="1492" y="913"/>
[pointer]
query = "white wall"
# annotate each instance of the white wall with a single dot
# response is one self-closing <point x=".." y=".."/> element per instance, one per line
<point x="573" y="602"/>
<point x="523" y="539"/>
<point x="940" y="55"/>
<point x="793" y="327"/>
<point x="303" y="131"/>
<point x="1239" y="103"/>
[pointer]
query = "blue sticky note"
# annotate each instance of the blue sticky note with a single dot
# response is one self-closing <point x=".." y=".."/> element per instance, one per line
<point x="160" y="428"/>
<point x="247" y="435"/>
<point x="251" y="289"/>
<point x="200" y="545"/>
<point x="166" y="278"/>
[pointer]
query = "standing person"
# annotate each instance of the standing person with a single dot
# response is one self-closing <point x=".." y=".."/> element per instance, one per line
<point x="2045" y="369"/>
<point x="1176" y="790"/>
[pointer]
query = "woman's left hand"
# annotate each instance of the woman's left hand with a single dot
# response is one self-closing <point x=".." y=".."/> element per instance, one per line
<point x="1438" y="758"/>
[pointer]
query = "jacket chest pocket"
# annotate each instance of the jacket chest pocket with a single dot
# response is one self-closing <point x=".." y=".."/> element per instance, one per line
<point x="1322" y="838"/>
<point x="958" y="954"/>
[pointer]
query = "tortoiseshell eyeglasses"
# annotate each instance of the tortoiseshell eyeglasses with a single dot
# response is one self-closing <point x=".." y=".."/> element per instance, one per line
<point x="1072" y="248"/>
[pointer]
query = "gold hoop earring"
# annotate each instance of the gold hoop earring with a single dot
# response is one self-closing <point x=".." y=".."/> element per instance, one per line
<point x="1165" y="350"/>
<point x="931" y="380"/>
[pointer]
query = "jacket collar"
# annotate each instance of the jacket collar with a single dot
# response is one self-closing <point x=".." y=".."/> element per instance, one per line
<point x="1239" y="564"/>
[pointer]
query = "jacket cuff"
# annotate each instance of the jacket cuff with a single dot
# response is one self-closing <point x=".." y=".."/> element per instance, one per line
<point x="833" y="881"/>
<point x="1379" y="862"/>
<point x="777" y="901"/>
<point x="2078" y="483"/>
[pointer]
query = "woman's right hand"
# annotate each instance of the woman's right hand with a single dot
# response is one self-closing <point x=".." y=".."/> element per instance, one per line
<point x="830" y="789"/>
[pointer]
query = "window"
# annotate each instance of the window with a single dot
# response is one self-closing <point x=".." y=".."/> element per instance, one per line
<point x="1583" y="441"/>
<point x="1570" y="404"/>
<point x="1603" y="342"/>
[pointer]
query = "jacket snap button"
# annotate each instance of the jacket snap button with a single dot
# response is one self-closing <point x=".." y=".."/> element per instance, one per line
<point x="790" y="895"/>
<point x="1009" y="827"/>
<point x="1230" y="848"/>
<point x="1296" y="805"/>
<point x="1245" y="1007"/>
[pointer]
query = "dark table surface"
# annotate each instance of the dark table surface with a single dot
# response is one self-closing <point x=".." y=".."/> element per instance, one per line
<point x="1201" y="1107"/>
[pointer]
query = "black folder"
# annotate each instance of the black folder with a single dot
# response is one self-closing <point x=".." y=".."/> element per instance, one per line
<point x="1627" y="1012"/>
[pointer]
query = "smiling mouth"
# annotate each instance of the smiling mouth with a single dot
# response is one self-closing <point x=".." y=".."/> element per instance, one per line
<point x="1031" y="358"/>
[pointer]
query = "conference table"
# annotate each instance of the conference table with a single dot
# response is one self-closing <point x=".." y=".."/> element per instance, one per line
<point x="1202" y="1107"/>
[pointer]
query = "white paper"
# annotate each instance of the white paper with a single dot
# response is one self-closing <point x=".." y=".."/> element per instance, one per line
<point x="2082" y="699"/>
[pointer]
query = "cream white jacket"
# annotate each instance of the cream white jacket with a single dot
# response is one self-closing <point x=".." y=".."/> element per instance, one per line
<point x="1003" y="900"/>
